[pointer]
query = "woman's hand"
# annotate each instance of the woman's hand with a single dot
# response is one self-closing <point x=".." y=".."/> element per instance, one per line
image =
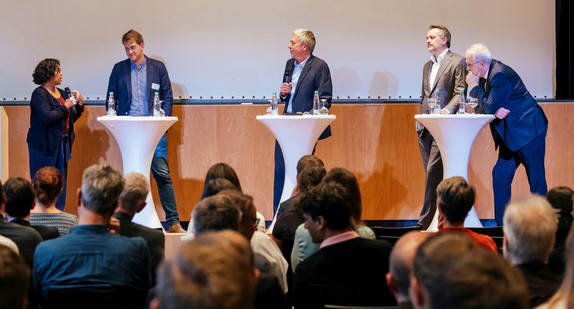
<point x="79" y="97"/>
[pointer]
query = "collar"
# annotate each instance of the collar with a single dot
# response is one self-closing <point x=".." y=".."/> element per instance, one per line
<point x="21" y="222"/>
<point x="134" y="66"/>
<point x="339" y="238"/>
<point x="440" y="57"/>
<point x="90" y="229"/>
<point x="122" y="216"/>
<point x="303" y="62"/>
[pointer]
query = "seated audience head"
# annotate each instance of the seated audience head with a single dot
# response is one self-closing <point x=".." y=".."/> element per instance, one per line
<point x="248" y="222"/>
<point x="215" y="213"/>
<point x="214" y="270"/>
<point x="455" y="198"/>
<point x="225" y="171"/>
<point x="348" y="180"/>
<point x="401" y="264"/>
<point x="310" y="172"/>
<point x="101" y="188"/>
<point x="530" y="226"/>
<point x="14" y="280"/>
<point x="450" y="271"/>
<point x="48" y="185"/>
<point x="132" y="199"/>
<point x="327" y="211"/>
<point x="561" y="198"/>
<point x="566" y="292"/>
<point x="20" y="197"/>
<point x="214" y="186"/>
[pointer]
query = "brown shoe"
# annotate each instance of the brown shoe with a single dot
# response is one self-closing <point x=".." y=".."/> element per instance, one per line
<point x="176" y="228"/>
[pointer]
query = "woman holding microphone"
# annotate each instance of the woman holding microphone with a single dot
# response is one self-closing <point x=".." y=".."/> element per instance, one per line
<point x="52" y="117"/>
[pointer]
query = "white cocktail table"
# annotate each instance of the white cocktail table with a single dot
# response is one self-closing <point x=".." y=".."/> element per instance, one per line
<point x="455" y="135"/>
<point x="297" y="135"/>
<point x="138" y="137"/>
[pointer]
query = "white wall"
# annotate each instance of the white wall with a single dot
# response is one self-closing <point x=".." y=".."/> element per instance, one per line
<point x="239" y="48"/>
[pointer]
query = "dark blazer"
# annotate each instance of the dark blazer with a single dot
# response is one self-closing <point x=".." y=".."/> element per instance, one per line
<point x="314" y="76"/>
<point x="47" y="232"/>
<point x="48" y="119"/>
<point x="450" y="79"/>
<point x="354" y="270"/>
<point x="526" y="119"/>
<point x="120" y="84"/>
<point x="26" y="238"/>
<point x="155" y="239"/>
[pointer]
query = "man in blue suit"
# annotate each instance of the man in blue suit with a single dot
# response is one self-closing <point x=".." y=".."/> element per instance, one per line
<point x="304" y="74"/>
<point x="520" y="127"/>
<point x="134" y="82"/>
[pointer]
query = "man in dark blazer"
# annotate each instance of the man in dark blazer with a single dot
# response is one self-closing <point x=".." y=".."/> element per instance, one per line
<point x="347" y="269"/>
<point x="519" y="130"/>
<point x="131" y="201"/>
<point x="443" y="73"/>
<point x="134" y="83"/>
<point x="304" y="74"/>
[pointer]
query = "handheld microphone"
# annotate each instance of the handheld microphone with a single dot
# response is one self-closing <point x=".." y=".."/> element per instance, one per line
<point x="287" y="77"/>
<point x="71" y="96"/>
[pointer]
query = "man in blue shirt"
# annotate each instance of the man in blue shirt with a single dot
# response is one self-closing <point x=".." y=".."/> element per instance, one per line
<point x="134" y="82"/>
<point x="91" y="257"/>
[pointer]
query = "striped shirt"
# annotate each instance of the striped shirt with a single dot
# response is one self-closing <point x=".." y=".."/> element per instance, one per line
<point x="63" y="221"/>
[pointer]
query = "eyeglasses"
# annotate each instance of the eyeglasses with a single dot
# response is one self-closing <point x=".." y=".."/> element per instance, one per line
<point x="256" y="221"/>
<point x="471" y="64"/>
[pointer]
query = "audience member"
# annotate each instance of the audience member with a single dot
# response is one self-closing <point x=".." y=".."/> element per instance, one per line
<point x="401" y="266"/>
<point x="19" y="201"/>
<point x="327" y="211"/>
<point x="26" y="238"/>
<point x="222" y="170"/>
<point x="214" y="186"/>
<point x="455" y="198"/>
<point x="561" y="198"/>
<point x="14" y="280"/>
<point x="310" y="172"/>
<point x="131" y="201"/>
<point x="91" y="257"/>
<point x="48" y="185"/>
<point x="530" y="228"/>
<point x="214" y="270"/>
<point x="224" y="212"/>
<point x="564" y="297"/>
<point x="451" y="271"/>
<point x="303" y="245"/>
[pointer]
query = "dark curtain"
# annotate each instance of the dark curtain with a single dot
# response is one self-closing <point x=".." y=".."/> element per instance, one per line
<point x="564" y="50"/>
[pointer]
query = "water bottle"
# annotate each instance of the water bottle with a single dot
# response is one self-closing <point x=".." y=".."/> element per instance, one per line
<point x="157" y="111"/>
<point x="316" y="106"/>
<point x="436" y="102"/>
<point x="274" y="110"/>
<point x="461" y="101"/>
<point x="111" y="105"/>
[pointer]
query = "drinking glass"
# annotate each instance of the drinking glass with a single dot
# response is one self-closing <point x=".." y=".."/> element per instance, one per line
<point x="473" y="102"/>
<point x="431" y="104"/>
<point x="323" y="110"/>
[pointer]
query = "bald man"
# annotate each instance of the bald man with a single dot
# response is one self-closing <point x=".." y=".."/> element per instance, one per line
<point x="401" y="265"/>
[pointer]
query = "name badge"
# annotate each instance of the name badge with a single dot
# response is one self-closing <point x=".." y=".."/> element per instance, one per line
<point x="155" y="86"/>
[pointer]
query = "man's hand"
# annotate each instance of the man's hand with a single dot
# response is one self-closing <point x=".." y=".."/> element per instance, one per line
<point x="501" y="113"/>
<point x="285" y="89"/>
<point x="114" y="226"/>
<point x="471" y="80"/>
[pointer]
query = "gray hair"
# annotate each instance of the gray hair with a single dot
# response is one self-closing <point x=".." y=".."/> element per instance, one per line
<point x="135" y="191"/>
<point x="530" y="226"/>
<point x="101" y="187"/>
<point x="306" y="36"/>
<point x="479" y="52"/>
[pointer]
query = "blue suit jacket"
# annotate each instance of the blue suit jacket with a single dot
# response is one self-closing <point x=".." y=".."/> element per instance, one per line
<point x="315" y="76"/>
<point x="526" y="119"/>
<point x="120" y="84"/>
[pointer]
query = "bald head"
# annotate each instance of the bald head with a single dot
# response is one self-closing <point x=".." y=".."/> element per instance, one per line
<point x="401" y="263"/>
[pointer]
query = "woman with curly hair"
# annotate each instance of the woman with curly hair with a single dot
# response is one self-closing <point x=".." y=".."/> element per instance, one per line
<point x="52" y="117"/>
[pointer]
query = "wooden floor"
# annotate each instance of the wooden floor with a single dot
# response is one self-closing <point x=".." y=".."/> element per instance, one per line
<point x="377" y="142"/>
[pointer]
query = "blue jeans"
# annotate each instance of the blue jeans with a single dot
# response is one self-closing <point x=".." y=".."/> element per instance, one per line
<point x="160" y="172"/>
